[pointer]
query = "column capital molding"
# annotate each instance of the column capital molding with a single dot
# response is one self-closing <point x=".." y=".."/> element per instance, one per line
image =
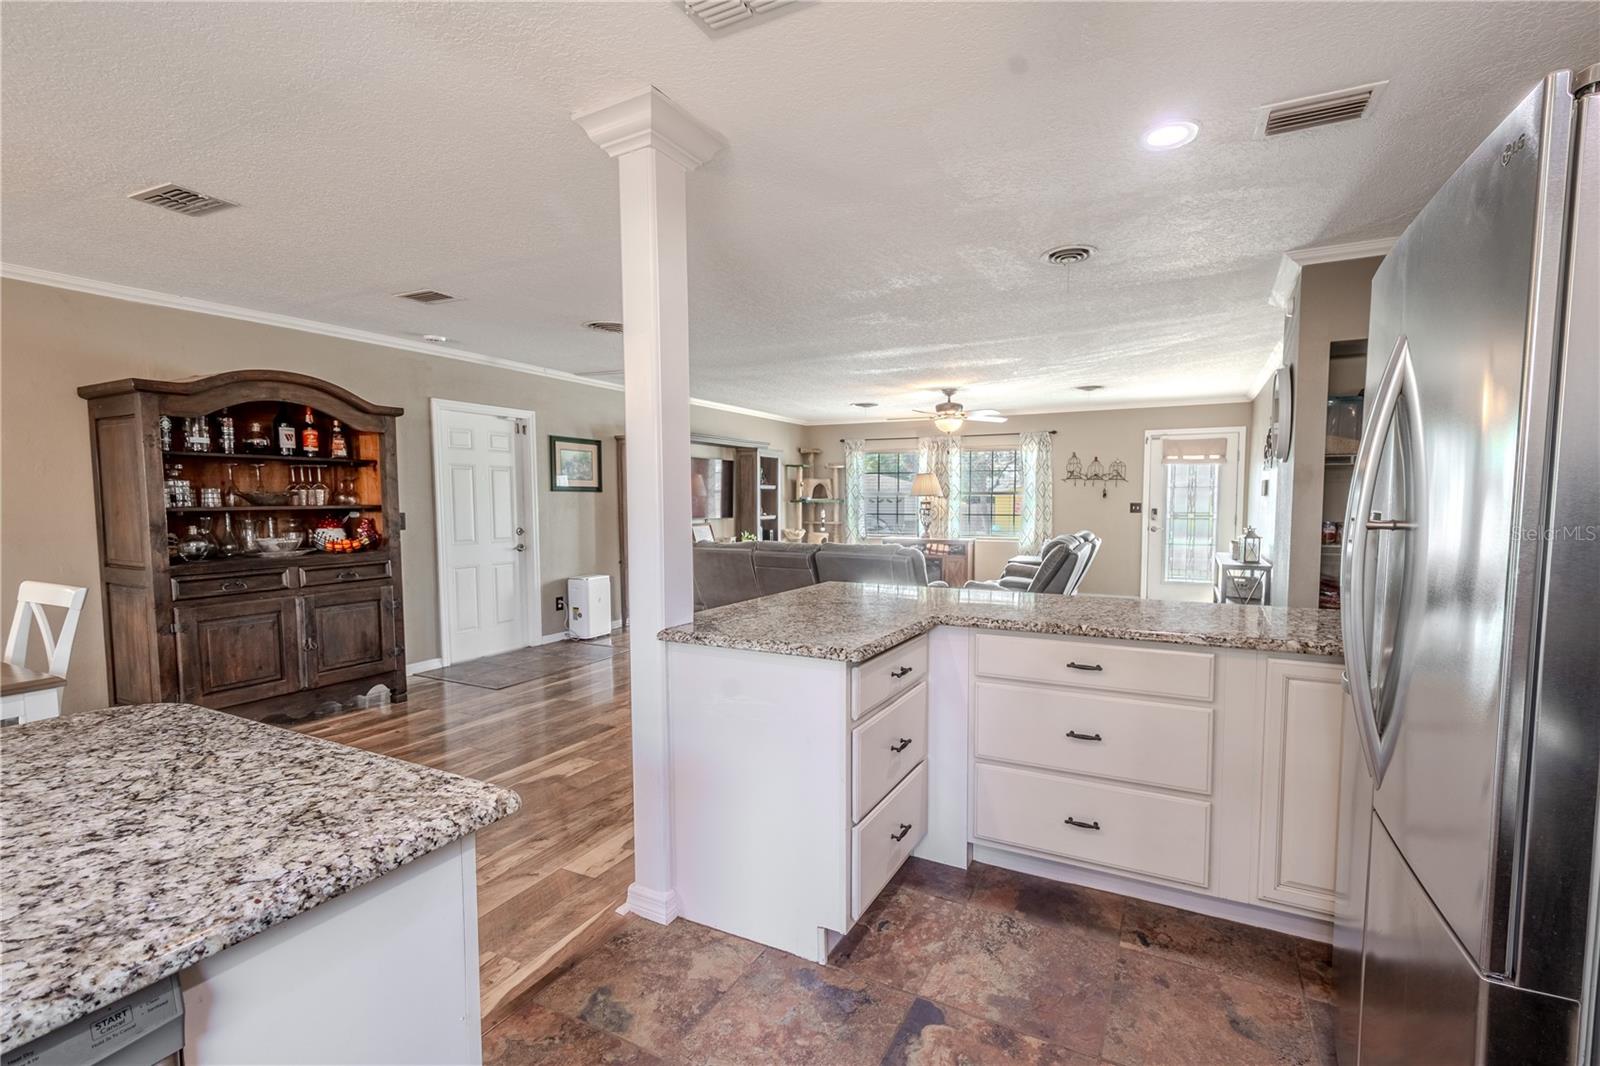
<point x="649" y="120"/>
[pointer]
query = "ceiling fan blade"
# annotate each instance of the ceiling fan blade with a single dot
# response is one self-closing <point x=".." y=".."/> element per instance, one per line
<point x="985" y="416"/>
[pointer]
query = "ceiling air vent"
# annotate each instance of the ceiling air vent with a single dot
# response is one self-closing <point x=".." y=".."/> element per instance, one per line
<point x="1069" y="253"/>
<point x="426" y="296"/>
<point x="177" y="198"/>
<point x="715" y="16"/>
<point x="1308" y="112"/>
<point x="604" y="327"/>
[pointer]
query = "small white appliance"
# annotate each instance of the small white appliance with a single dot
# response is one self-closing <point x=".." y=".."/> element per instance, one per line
<point x="589" y="606"/>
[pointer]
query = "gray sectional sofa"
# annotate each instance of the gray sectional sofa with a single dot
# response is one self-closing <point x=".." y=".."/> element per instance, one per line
<point x="729" y="573"/>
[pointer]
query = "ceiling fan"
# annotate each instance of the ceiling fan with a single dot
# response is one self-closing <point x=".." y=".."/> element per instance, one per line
<point x="950" y="416"/>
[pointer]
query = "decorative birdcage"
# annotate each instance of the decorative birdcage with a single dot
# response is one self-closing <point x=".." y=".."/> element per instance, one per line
<point x="1118" y="471"/>
<point x="1096" y="471"/>
<point x="1074" y="471"/>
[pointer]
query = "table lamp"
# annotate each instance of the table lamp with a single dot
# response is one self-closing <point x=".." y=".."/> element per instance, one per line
<point x="927" y="486"/>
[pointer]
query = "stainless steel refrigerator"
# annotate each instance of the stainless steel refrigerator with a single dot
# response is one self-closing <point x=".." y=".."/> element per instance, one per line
<point x="1470" y="579"/>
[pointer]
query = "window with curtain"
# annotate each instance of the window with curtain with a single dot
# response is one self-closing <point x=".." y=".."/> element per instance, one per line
<point x="887" y="507"/>
<point x="991" y="492"/>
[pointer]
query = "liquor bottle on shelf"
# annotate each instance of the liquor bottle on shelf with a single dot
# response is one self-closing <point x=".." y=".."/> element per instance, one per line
<point x="225" y="431"/>
<point x="310" y="438"/>
<point x="283" y="433"/>
<point x="338" y="447"/>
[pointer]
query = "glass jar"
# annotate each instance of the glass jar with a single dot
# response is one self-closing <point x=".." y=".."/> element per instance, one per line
<point x="196" y="543"/>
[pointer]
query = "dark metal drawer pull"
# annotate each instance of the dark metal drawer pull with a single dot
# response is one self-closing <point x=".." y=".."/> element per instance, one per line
<point x="234" y="585"/>
<point x="1075" y="735"/>
<point x="1083" y="825"/>
<point x="348" y="575"/>
<point x="905" y="827"/>
<point x="1084" y="666"/>
<point x="905" y="742"/>
<point x="898" y="674"/>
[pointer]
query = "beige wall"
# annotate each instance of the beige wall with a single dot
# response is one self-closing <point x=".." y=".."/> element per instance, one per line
<point x="1110" y="435"/>
<point x="1261" y="487"/>
<point x="1331" y="304"/>
<point x="54" y="340"/>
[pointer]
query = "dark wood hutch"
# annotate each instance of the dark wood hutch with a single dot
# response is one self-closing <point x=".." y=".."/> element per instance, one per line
<point x="256" y="636"/>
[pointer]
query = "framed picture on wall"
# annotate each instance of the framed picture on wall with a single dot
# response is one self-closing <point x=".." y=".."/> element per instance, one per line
<point x="574" y="464"/>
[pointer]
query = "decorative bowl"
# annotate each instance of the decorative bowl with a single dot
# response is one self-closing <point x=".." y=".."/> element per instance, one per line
<point x="267" y="499"/>
<point x="288" y="542"/>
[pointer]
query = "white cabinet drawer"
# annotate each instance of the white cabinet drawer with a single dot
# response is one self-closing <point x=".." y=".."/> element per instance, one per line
<point x="885" y="838"/>
<point x="890" y="674"/>
<point x="884" y="748"/>
<point x="1165" y="744"/>
<point x="1147" y="671"/>
<point x="1124" y="828"/>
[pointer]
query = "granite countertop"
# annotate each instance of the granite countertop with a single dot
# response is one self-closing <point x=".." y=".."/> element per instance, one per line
<point x="135" y="841"/>
<point x="854" y="622"/>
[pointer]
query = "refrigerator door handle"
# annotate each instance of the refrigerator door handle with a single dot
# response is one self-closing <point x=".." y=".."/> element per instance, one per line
<point x="1399" y="384"/>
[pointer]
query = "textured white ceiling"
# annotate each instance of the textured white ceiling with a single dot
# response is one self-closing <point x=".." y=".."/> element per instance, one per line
<point x="872" y="231"/>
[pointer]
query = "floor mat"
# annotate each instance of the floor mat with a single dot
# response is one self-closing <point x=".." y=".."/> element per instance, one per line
<point x="524" y="664"/>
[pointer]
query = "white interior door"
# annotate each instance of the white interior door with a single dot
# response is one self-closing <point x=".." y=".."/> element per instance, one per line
<point x="1191" y="509"/>
<point x="484" y="547"/>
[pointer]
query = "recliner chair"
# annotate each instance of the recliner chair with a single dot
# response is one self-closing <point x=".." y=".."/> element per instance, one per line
<point x="1056" y="573"/>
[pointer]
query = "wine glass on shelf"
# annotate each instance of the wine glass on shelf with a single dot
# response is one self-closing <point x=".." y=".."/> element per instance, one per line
<point x="230" y="490"/>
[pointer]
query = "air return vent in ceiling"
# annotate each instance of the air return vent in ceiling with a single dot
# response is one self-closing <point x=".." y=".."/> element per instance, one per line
<point x="426" y="296"/>
<point x="715" y="16"/>
<point x="177" y="198"/>
<point x="604" y="327"/>
<point x="1325" y="109"/>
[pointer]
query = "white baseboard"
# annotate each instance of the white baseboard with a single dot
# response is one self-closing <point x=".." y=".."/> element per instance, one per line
<point x="552" y="638"/>
<point x="1244" y="913"/>
<point x="423" y="665"/>
<point x="659" y="907"/>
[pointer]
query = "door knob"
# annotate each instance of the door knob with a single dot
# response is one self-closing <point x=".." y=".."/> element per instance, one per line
<point x="520" y="547"/>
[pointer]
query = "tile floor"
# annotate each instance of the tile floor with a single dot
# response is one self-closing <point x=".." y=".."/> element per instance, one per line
<point x="948" y="967"/>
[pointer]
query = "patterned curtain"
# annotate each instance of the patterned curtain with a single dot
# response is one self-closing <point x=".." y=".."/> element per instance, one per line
<point x="855" y="470"/>
<point x="942" y="455"/>
<point x="1036" y="456"/>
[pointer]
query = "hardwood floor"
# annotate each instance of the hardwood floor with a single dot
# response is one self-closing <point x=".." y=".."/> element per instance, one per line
<point x="551" y="876"/>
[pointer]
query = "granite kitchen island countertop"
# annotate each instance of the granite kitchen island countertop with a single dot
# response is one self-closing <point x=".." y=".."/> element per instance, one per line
<point x="136" y="841"/>
<point x="854" y="622"/>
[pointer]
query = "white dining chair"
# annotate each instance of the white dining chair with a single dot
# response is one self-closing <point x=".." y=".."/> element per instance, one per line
<point x="34" y="701"/>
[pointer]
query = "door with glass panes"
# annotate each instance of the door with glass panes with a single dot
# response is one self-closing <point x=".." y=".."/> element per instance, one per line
<point x="1191" y="509"/>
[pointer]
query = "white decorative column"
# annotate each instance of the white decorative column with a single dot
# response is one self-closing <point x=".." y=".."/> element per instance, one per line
<point x="655" y="144"/>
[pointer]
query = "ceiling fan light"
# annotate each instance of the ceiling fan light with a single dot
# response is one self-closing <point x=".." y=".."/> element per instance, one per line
<point x="948" y="423"/>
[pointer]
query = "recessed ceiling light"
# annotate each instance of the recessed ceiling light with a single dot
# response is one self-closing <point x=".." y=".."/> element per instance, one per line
<point x="604" y="327"/>
<point x="1169" y="135"/>
<point x="436" y="338"/>
<point x="864" y="404"/>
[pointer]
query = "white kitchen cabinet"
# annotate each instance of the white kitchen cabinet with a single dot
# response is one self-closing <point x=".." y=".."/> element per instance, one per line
<point x="1204" y="778"/>
<point x="1303" y="714"/>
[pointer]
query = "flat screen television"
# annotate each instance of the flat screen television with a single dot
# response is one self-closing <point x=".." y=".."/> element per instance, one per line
<point x="711" y="488"/>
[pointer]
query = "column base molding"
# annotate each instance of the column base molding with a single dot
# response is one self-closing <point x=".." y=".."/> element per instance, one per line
<point x="659" y="907"/>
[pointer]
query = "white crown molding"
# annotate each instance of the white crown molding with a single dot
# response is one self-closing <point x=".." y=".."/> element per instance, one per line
<point x="1293" y="261"/>
<point x="1334" y="253"/>
<point x="649" y="120"/>
<point x="129" y="293"/>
